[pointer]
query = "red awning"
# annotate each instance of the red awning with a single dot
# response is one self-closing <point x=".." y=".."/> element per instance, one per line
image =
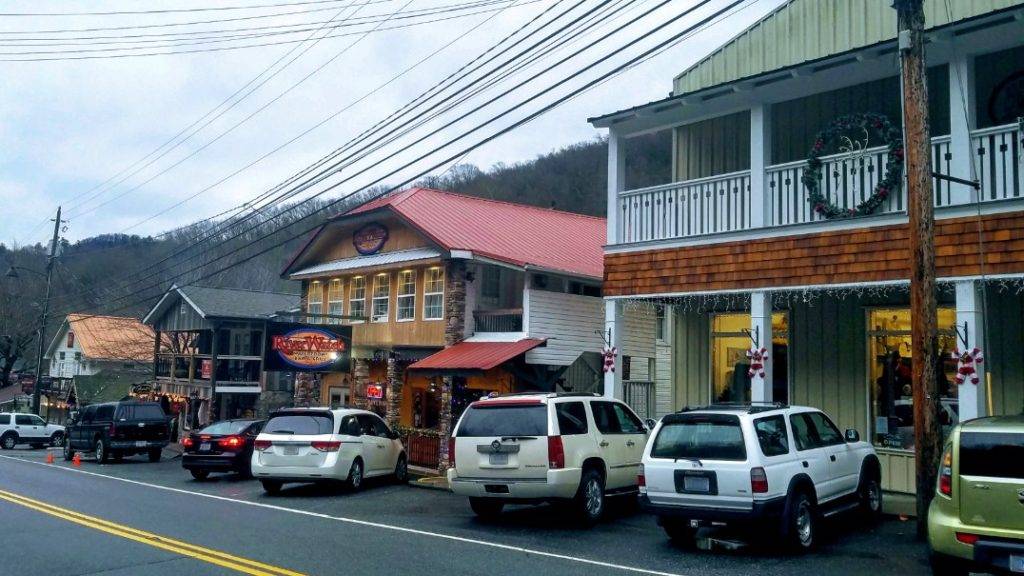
<point x="476" y="355"/>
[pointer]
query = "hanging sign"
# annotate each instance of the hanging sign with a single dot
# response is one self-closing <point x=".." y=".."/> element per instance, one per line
<point x="294" y="347"/>
<point x="370" y="238"/>
<point x="375" y="391"/>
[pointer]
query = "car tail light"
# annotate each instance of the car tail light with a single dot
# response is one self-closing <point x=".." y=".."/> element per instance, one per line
<point x="262" y="444"/>
<point x="187" y="442"/>
<point x="556" y="453"/>
<point x="232" y="442"/>
<point x="758" y="481"/>
<point x="641" y="479"/>
<point x="113" y="430"/>
<point x="451" y="452"/>
<point x="326" y="445"/>
<point x="946" y="473"/>
<point x="965" y="538"/>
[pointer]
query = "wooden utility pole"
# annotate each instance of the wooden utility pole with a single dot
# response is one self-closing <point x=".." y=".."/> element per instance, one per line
<point x="41" y="345"/>
<point x="924" y="345"/>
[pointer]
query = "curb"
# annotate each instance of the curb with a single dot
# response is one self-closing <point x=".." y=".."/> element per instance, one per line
<point x="439" y="483"/>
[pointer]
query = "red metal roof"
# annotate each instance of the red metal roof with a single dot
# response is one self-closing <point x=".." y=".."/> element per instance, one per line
<point x="475" y="355"/>
<point x="518" y="234"/>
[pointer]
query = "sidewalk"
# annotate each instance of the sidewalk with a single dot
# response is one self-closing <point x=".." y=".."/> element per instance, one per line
<point x="427" y="478"/>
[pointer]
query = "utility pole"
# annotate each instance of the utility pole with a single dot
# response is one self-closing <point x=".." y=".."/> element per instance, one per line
<point x="42" y="316"/>
<point x="924" y="345"/>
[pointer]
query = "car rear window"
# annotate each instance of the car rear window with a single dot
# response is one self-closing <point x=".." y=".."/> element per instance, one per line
<point x="306" y="424"/>
<point x="140" y="412"/>
<point x="702" y="436"/>
<point x="226" y="427"/>
<point x="992" y="454"/>
<point x="572" y="418"/>
<point x="504" y="420"/>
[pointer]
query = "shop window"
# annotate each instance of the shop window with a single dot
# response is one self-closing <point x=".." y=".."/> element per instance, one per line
<point x="315" y="302"/>
<point x="729" y="363"/>
<point x="406" y="296"/>
<point x="433" y="294"/>
<point x="661" y="320"/>
<point x="335" y="301"/>
<point x="381" y="298"/>
<point x="892" y="404"/>
<point x="357" y="303"/>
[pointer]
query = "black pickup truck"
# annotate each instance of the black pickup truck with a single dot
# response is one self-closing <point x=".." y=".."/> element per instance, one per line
<point x="119" y="429"/>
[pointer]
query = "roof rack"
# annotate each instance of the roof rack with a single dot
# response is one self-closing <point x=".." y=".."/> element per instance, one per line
<point x="546" y="394"/>
<point x="748" y="407"/>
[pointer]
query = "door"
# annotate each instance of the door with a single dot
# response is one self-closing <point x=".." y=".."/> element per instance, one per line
<point x="991" y="474"/>
<point x="40" y="427"/>
<point x="375" y="445"/>
<point x="27" y="427"/>
<point x="78" y="431"/>
<point x="811" y="456"/>
<point x="620" y="440"/>
<point x="843" y="463"/>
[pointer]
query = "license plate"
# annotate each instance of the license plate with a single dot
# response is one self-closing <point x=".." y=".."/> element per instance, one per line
<point x="696" y="484"/>
<point x="498" y="459"/>
<point x="1016" y="563"/>
<point x="204" y="446"/>
<point x="141" y="444"/>
<point x="291" y="450"/>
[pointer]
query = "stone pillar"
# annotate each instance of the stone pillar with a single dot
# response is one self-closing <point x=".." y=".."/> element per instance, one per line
<point x="445" y="423"/>
<point x="396" y="378"/>
<point x="360" y="377"/>
<point x="455" y="302"/>
<point x="968" y="317"/>
<point x="761" y="328"/>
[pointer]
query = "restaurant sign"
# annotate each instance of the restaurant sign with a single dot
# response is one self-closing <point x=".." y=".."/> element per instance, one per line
<point x="294" y="347"/>
<point x="370" y="238"/>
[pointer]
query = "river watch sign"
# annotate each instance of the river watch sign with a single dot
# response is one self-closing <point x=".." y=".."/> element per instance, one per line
<point x="307" y="347"/>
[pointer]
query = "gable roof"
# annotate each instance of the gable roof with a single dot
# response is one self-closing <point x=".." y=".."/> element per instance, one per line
<point x="225" y="302"/>
<point x="808" y="30"/>
<point x="516" y="234"/>
<point x="107" y="337"/>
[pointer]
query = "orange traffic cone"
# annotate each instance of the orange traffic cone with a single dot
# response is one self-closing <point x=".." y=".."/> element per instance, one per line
<point x="49" y="457"/>
<point x="77" y="460"/>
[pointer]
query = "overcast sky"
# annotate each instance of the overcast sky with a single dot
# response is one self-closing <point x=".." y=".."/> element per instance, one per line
<point x="67" y="126"/>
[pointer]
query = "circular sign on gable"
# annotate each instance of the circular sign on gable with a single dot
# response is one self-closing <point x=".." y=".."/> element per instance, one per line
<point x="370" y="238"/>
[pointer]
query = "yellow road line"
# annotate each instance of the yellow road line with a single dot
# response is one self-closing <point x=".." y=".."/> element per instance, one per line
<point x="217" y="557"/>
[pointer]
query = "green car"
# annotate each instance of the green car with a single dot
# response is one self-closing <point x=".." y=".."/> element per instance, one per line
<point x="976" y="520"/>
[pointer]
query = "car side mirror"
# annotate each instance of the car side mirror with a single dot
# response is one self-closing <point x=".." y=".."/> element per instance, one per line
<point x="650" y="423"/>
<point x="852" y="435"/>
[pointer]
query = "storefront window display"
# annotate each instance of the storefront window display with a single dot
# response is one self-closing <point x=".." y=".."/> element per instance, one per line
<point x="729" y="363"/>
<point x="892" y="404"/>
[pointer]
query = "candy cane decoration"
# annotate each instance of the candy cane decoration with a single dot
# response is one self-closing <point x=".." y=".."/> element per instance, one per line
<point x="966" y="365"/>
<point x="609" y="358"/>
<point x="758" y="358"/>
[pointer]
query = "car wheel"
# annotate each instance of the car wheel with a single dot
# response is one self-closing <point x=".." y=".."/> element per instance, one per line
<point x="200" y="475"/>
<point x="69" y="452"/>
<point x="486" y="508"/>
<point x="57" y="439"/>
<point x="271" y="487"/>
<point x="679" y="531"/>
<point x="800" y="522"/>
<point x="9" y="441"/>
<point x="355" y="476"/>
<point x="589" y="499"/>
<point x="155" y="454"/>
<point x="943" y="565"/>
<point x="870" y="494"/>
<point x="402" y="470"/>
<point x="100" y="451"/>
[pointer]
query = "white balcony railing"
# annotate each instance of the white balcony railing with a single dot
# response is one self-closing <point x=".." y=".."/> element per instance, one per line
<point x="724" y="203"/>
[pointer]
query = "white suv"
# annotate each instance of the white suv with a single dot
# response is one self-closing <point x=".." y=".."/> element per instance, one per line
<point x="772" y="468"/>
<point x="28" y="429"/>
<point x="323" y="445"/>
<point x="530" y="448"/>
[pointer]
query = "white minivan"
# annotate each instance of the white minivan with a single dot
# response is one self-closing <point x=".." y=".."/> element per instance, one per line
<point x="304" y="445"/>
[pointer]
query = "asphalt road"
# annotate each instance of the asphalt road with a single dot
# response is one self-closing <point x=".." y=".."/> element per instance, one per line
<point x="136" y="518"/>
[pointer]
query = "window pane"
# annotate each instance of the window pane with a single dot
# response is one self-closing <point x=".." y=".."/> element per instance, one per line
<point x="604" y="417"/>
<point x="433" y="308"/>
<point x="992" y="454"/>
<point x="828" y="434"/>
<point x="572" y="418"/>
<point x="703" y="436"/>
<point x="628" y="422"/>
<point x="772" y="435"/>
<point x="407" y="282"/>
<point x="300" y="424"/>
<point x="381" y="298"/>
<point x="803" y="432"/>
<point x="729" y="363"/>
<point x="434" y="280"/>
<point x="504" y="421"/>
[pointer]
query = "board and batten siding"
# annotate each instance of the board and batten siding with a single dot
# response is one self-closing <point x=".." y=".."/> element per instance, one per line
<point x="174" y="321"/>
<point x="573" y="324"/>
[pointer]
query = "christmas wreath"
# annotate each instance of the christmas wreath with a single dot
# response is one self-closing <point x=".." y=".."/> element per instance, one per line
<point x="838" y="129"/>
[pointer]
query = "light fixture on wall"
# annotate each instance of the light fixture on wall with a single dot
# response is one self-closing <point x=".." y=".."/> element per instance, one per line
<point x="470" y="276"/>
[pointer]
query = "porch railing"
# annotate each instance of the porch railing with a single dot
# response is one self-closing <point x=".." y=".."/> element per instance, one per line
<point x="507" y="320"/>
<point x="999" y="162"/>
<point x="424" y="450"/>
<point x="691" y="208"/>
<point x="640" y="396"/>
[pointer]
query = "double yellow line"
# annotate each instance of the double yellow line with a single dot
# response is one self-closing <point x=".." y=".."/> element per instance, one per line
<point x="217" y="557"/>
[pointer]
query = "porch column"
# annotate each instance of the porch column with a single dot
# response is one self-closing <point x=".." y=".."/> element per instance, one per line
<point x="968" y="316"/>
<point x="761" y="329"/>
<point x="396" y="378"/>
<point x="616" y="183"/>
<point x="613" y="327"/>
<point x="760" y="158"/>
<point x="961" y="94"/>
<point x="360" y="377"/>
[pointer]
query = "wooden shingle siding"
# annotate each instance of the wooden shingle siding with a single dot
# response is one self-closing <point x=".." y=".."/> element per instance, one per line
<point x="836" y="257"/>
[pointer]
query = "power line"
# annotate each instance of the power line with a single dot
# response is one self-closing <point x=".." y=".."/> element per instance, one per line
<point x="172" y="10"/>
